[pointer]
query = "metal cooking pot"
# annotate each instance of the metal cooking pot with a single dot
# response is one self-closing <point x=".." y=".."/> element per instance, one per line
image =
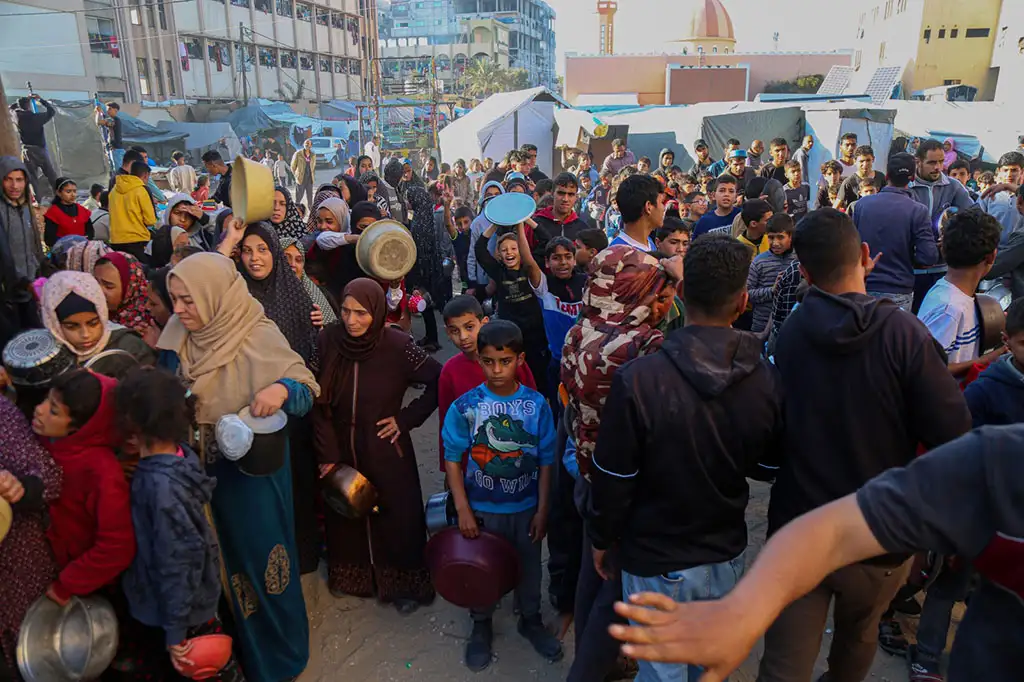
<point x="114" y="363"/>
<point x="67" y="643"/>
<point x="473" y="574"/>
<point x="440" y="512"/>
<point x="349" y="493"/>
<point x="992" y="319"/>
<point x="34" y="358"/>
<point x="386" y="250"/>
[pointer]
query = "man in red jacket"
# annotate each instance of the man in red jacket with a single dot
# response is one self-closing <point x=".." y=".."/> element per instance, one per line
<point x="91" y="531"/>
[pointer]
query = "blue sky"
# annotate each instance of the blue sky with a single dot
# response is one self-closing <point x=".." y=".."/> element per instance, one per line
<point x="648" y="25"/>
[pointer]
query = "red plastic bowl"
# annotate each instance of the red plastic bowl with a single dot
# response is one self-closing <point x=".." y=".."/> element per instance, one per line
<point x="209" y="654"/>
<point x="473" y="574"/>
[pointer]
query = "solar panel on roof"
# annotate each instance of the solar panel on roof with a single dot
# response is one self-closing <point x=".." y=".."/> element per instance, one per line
<point x="882" y="82"/>
<point x="837" y="80"/>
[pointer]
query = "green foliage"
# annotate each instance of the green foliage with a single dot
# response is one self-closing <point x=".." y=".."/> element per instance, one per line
<point x="484" y="78"/>
<point x="803" y="85"/>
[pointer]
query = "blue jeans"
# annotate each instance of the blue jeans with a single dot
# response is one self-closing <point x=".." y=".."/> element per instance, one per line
<point x="700" y="583"/>
<point x="905" y="301"/>
<point x="116" y="158"/>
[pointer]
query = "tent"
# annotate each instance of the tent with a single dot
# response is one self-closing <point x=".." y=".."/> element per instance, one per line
<point x="984" y="130"/>
<point x="503" y="122"/>
<point x="250" y="120"/>
<point x="201" y="137"/>
<point x="76" y="145"/>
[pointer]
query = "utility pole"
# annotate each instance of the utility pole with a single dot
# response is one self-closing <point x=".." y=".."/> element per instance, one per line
<point x="241" y="64"/>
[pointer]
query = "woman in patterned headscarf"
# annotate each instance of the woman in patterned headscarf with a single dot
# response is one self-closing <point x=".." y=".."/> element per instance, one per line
<point x="297" y="262"/>
<point x="84" y="255"/>
<point x="126" y="288"/>
<point x="326" y="191"/>
<point x="286" y="219"/>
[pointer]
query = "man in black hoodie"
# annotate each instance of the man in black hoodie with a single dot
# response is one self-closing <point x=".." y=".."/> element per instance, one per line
<point x="865" y="385"/>
<point x="681" y="431"/>
<point x="32" y="130"/>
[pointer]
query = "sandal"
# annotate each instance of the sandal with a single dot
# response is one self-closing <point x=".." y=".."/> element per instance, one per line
<point x="891" y="638"/>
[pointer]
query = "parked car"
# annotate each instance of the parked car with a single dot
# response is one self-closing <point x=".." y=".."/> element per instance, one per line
<point x="326" y="149"/>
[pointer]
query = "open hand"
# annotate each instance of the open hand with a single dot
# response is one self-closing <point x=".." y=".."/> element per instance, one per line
<point x="389" y="429"/>
<point x="710" y="634"/>
<point x="269" y="400"/>
<point x="150" y="333"/>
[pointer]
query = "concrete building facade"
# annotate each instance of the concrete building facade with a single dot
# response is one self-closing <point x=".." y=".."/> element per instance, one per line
<point x="936" y="42"/>
<point x="1008" y="54"/>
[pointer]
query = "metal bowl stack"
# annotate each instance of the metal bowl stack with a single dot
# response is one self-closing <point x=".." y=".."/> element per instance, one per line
<point x="67" y="643"/>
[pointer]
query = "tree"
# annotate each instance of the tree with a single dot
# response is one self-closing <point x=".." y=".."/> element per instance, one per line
<point x="293" y="93"/>
<point x="802" y="85"/>
<point x="483" y="78"/>
<point x="517" y="79"/>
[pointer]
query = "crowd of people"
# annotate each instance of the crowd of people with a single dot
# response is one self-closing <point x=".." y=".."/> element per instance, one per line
<point x="630" y="352"/>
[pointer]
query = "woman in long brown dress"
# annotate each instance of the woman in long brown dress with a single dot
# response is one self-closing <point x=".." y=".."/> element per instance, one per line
<point x="359" y="420"/>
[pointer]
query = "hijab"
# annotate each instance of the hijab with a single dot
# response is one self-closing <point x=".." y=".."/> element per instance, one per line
<point x="56" y="289"/>
<point x="327" y="191"/>
<point x="950" y="156"/>
<point x="316" y="294"/>
<point x="158" y="283"/>
<point x="292" y="227"/>
<point x="239" y="351"/>
<point x="83" y="256"/>
<point x="426" y="271"/>
<point x="364" y="209"/>
<point x="339" y="367"/>
<point x="356" y="192"/>
<point x="612" y="329"/>
<point x="133" y="311"/>
<point x="284" y="299"/>
<point x="340" y="210"/>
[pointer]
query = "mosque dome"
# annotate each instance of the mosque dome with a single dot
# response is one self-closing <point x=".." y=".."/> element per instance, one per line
<point x="710" y="21"/>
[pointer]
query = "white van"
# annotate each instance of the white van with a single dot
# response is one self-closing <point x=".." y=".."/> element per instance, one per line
<point x="326" y="148"/>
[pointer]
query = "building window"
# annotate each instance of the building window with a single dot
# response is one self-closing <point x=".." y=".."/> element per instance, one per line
<point x="927" y="35"/>
<point x="135" y="13"/>
<point x="952" y="81"/>
<point x="240" y="3"/>
<point x="888" y="8"/>
<point x="306" y="61"/>
<point x="355" y="67"/>
<point x="715" y="50"/>
<point x="263" y="6"/>
<point x="161" y="13"/>
<point x="942" y="33"/>
<point x="101" y="36"/>
<point x="170" y="78"/>
<point x="325" y="64"/>
<point x="954" y="32"/>
<point x="159" y="77"/>
<point x="193" y="49"/>
<point x="978" y="33"/>
<point x="143" y="76"/>
<point x="303" y="12"/>
<point x="268" y="57"/>
<point x="287" y="59"/>
<point x="337" y="20"/>
<point x="340" y="66"/>
<point x="323" y="16"/>
<point x="219" y="54"/>
<point x="857" y="58"/>
<point x="285" y="8"/>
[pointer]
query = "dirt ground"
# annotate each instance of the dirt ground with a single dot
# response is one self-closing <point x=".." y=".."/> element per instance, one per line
<point x="358" y="640"/>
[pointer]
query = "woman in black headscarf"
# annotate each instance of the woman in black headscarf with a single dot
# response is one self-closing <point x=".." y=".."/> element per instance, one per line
<point x="286" y="219"/>
<point x="427" y="274"/>
<point x="286" y="303"/>
<point x="351" y="191"/>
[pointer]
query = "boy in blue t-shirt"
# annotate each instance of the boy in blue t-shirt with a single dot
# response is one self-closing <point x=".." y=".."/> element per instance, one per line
<point x="509" y="434"/>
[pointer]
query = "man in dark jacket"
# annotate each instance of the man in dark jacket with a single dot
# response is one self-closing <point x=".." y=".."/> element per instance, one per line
<point x="215" y="165"/>
<point x="560" y="219"/>
<point x="900" y="229"/>
<point x="31" y="128"/>
<point x="865" y="385"/>
<point x="681" y="431"/>
<point x="21" y="252"/>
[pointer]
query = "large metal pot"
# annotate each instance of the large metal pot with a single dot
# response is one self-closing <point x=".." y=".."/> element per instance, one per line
<point x="34" y="358"/>
<point x="67" y="643"/>
<point x="348" y="492"/>
<point x="386" y="250"/>
<point x="992" y="319"/>
<point x="473" y="574"/>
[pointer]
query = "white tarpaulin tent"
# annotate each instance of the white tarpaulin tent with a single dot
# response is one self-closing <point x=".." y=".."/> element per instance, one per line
<point x="572" y="123"/>
<point x="996" y="125"/>
<point x="504" y="122"/>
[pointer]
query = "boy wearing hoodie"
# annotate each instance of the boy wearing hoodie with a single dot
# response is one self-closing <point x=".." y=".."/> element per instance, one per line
<point x="21" y="256"/>
<point x="560" y="220"/>
<point x="997" y="396"/>
<point x="865" y="385"/>
<point x="173" y="584"/>
<point x="131" y="212"/>
<point x="674" y="505"/>
<point x="90" y="529"/>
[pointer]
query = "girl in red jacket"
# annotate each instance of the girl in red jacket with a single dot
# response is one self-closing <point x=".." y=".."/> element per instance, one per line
<point x="90" y="530"/>
<point x="66" y="216"/>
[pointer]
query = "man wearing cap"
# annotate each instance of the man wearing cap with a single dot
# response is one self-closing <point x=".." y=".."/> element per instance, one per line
<point x="719" y="167"/>
<point x="739" y="169"/>
<point x="899" y="232"/>
<point x="703" y="158"/>
<point x="619" y="158"/>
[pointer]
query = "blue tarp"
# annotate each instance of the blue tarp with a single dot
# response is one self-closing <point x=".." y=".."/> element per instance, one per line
<point x="140" y="132"/>
<point x="250" y="120"/>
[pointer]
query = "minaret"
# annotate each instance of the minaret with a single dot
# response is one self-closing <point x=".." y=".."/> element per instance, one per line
<point x="606" y="41"/>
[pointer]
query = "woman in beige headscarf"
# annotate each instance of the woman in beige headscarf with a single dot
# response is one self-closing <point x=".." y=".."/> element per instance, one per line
<point x="221" y="343"/>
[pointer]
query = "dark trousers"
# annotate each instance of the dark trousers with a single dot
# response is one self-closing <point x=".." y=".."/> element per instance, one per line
<point x="516" y="529"/>
<point x="950" y="586"/>
<point x="137" y="249"/>
<point x="861" y="593"/>
<point x="430" y="325"/>
<point x="565" y="533"/>
<point x="38" y="159"/>
<point x="537" y="355"/>
<point x="596" y="650"/>
<point x="307" y="189"/>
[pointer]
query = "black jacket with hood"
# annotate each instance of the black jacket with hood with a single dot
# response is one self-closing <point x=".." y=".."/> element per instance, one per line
<point x="681" y="432"/>
<point x="866" y="384"/>
<point x="661" y="160"/>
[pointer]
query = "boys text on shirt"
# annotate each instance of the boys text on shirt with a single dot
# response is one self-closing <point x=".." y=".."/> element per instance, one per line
<point x="952" y="318"/>
<point x="507" y="438"/>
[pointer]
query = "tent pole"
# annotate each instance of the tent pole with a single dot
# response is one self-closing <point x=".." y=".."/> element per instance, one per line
<point x="515" y="129"/>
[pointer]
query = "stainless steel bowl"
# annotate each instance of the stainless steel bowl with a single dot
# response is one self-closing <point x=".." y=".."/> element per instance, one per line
<point x="440" y="512"/>
<point x="67" y="643"/>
